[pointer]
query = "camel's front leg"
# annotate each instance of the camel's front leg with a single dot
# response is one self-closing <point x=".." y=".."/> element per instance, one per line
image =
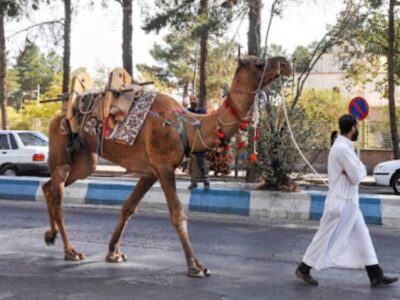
<point x="129" y="208"/>
<point x="179" y="220"/>
<point x="54" y="192"/>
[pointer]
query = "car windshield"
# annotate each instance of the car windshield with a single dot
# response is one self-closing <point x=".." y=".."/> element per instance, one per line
<point x="33" y="139"/>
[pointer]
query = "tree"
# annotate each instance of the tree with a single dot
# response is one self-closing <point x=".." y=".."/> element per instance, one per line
<point x="3" y="69"/>
<point x="254" y="33"/>
<point x="301" y="58"/>
<point x="179" y="55"/>
<point x="391" y="83"/>
<point x="34" y="68"/>
<point x="9" y="9"/>
<point x="67" y="46"/>
<point x="277" y="155"/>
<point x="367" y="43"/>
<point x="127" y="35"/>
<point x="200" y="18"/>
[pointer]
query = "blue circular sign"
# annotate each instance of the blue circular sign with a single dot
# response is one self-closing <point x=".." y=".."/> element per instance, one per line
<point x="359" y="108"/>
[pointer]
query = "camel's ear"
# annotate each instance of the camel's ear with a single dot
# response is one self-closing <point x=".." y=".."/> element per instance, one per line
<point x="241" y="62"/>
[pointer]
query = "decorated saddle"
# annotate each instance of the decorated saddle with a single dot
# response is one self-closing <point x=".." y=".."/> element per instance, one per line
<point x="117" y="113"/>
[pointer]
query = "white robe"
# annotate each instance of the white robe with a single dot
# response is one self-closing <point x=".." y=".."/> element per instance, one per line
<point x="342" y="239"/>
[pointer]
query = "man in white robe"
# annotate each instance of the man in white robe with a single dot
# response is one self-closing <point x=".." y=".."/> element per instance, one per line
<point x="343" y="239"/>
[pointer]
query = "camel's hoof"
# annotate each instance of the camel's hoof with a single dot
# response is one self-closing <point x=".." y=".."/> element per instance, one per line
<point x="116" y="258"/>
<point x="50" y="237"/>
<point x="196" y="273"/>
<point x="207" y="272"/>
<point x="74" y="256"/>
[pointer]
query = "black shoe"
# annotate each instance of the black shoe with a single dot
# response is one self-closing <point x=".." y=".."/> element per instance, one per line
<point x="206" y="185"/>
<point x="376" y="277"/>
<point x="304" y="275"/>
<point x="192" y="186"/>
<point x="383" y="281"/>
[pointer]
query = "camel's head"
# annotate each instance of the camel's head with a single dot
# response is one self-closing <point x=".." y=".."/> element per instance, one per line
<point x="253" y="67"/>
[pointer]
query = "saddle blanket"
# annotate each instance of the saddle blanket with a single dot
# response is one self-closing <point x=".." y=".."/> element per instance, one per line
<point x="127" y="131"/>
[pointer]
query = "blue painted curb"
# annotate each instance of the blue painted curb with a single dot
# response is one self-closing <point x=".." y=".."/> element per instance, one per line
<point x="220" y="201"/>
<point x="370" y="207"/>
<point x="18" y="189"/>
<point x="107" y="194"/>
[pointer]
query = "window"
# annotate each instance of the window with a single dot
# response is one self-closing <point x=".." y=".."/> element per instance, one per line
<point x="14" y="144"/>
<point x="4" y="142"/>
<point x="32" y="139"/>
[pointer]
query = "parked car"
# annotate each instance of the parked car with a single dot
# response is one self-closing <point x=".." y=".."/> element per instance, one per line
<point x="23" y="152"/>
<point x="388" y="173"/>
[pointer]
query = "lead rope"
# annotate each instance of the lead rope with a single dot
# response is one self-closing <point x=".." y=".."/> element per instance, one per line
<point x="256" y="120"/>
<point x="291" y="132"/>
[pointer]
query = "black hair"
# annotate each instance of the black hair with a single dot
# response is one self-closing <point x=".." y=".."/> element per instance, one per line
<point x="333" y="136"/>
<point x="346" y="122"/>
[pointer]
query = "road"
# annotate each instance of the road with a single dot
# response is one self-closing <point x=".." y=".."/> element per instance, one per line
<point x="248" y="261"/>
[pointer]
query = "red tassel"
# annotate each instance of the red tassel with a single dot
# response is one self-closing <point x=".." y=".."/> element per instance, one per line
<point x="241" y="145"/>
<point x="253" y="157"/>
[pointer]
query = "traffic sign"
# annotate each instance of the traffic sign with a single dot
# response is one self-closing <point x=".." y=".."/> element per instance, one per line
<point x="359" y="108"/>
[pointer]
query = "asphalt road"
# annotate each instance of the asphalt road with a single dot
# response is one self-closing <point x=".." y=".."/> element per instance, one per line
<point x="248" y="261"/>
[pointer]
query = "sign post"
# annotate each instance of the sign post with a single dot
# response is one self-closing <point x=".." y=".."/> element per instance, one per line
<point x="359" y="108"/>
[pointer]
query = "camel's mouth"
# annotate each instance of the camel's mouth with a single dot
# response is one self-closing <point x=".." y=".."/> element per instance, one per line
<point x="281" y="65"/>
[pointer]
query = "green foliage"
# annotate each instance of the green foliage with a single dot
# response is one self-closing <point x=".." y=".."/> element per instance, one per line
<point x="34" y="68"/>
<point x="301" y="58"/>
<point x="177" y="61"/>
<point x="14" y="8"/>
<point x="221" y="69"/>
<point x="157" y="75"/>
<point x="366" y="44"/>
<point x="312" y="121"/>
<point x="321" y="110"/>
<point x="183" y="16"/>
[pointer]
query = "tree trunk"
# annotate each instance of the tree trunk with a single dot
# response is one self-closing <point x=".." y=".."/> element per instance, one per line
<point x="391" y="83"/>
<point x="254" y="33"/>
<point x="203" y="56"/>
<point x="67" y="46"/>
<point x="3" y="71"/>
<point x="254" y="48"/>
<point x="185" y="89"/>
<point x="127" y="36"/>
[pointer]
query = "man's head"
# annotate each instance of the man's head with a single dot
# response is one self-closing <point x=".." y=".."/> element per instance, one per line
<point x="349" y="127"/>
<point x="193" y="101"/>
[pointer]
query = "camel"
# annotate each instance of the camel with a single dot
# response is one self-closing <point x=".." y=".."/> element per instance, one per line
<point x="156" y="153"/>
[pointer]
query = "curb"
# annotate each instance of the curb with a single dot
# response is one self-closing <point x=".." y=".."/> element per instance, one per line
<point x="259" y="205"/>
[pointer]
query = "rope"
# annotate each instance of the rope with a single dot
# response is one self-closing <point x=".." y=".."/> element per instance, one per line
<point x="256" y="119"/>
<point x="194" y="141"/>
<point x="293" y="138"/>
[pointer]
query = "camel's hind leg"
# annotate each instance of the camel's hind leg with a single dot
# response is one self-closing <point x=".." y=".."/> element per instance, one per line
<point x="179" y="220"/>
<point x="63" y="174"/>
<point x="129" y="208"/>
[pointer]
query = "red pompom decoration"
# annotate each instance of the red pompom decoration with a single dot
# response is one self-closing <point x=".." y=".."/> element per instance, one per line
<point x="241" y="145"/>
<point x="253" y="157"/>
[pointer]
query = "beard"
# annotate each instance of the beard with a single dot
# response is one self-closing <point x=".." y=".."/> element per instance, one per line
<point x="354" y="137"/>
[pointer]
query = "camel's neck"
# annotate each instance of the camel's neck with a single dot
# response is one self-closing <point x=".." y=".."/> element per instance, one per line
<point x="234" y="110"/>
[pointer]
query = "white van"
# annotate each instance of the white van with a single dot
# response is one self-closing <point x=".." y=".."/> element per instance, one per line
<point x="23" y="152"/>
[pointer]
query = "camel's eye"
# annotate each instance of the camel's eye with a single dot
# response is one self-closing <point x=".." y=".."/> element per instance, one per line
<point x="260" y="65"/>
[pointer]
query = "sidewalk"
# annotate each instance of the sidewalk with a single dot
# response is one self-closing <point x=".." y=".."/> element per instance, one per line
<point x="113" y="170"/>
<point x="235" y="198"/>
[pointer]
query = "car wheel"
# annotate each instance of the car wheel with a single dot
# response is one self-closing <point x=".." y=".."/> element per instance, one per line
<point x="10" y="171"/>
<point x="396" y="183"/>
